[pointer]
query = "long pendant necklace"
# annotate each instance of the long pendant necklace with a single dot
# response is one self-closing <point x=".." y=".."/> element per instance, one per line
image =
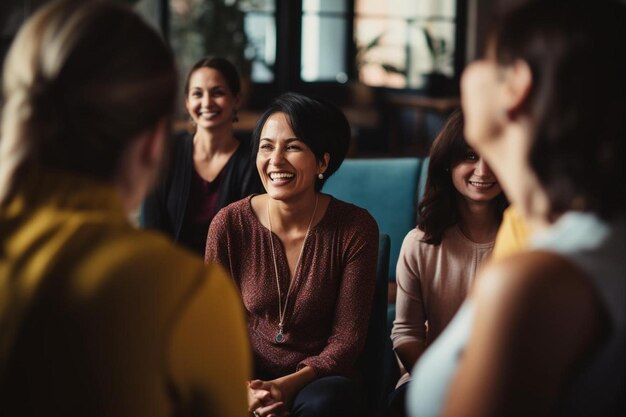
<point x="280" y="337"/>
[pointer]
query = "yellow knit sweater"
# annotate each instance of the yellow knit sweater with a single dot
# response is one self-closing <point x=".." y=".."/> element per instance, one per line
<point x="98" y="318"/>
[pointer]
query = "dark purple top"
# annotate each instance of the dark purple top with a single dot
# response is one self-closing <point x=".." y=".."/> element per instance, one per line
<point x="329" y="306"/>
<point x="202" y="206"/>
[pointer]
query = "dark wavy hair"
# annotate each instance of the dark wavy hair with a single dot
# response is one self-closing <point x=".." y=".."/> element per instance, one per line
<point x="576" y="51"/>
<point x="438" y="209"/>
<point x="319" y="124"/>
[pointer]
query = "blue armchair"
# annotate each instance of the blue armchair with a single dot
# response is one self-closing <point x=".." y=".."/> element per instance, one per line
<point x="372" y="361"/>
<point x="390" y="190"/>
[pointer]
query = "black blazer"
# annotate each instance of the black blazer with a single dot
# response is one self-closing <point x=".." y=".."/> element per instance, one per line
<point x="164" y="209"/>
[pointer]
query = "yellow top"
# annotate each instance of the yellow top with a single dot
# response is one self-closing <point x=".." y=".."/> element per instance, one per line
<point x="512" y="236"/>
<point x="98" y="318"/>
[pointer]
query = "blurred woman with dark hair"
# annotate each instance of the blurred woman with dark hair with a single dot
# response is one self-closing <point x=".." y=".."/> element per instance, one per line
<point x="98" y="318"/>
<point x="459" y="218"/>
<point x="543" y="332"/>
<point x="305" y="264"/>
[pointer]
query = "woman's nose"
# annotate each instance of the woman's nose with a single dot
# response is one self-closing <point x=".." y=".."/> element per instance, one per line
<point x="482" y="169"/>
<point x="205" y="100"/>
<point x="277" y="155"/>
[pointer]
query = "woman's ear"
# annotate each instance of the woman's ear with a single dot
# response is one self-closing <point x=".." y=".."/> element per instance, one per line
<point x="236" y="106"/>
<point x="323" y="164"/>
<point x="140" y="165"/>
<point x="153" y="144"/>
<point x="517" y="84"/>
<point x="187" y="106"/>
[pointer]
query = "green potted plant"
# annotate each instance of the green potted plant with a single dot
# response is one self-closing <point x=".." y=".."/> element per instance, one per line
<point x="211" y="27"/>
<point x="436" y="82"/>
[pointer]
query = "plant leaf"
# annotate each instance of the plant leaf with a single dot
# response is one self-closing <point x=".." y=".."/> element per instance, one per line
<point x="430" y="42"/>
<point x="393" y="69"/>
<point x="374" y="42"/>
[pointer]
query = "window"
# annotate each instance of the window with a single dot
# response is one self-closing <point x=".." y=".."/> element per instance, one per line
<point x="324" y="41"/>
<point x="400" y="42"/>
<point x="260" y="29"/>
<point x="243" y="31"/>
<point x="317" y="46"/>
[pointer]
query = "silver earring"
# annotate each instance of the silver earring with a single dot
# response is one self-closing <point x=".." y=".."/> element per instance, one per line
<point x="320" y="176"/>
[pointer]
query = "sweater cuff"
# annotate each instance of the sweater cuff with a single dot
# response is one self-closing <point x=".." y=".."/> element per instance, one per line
<point x="320" y="366"/>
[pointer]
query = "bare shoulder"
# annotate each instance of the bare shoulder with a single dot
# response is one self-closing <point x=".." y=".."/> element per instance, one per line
<point x="532" y="274"/>
<point x="537" y="289"/>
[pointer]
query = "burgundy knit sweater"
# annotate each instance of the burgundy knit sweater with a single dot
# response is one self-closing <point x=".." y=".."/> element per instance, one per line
<point x="329" y="305"/>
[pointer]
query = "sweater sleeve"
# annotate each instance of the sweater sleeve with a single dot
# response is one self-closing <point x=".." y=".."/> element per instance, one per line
<point x="512" y="235"/>
<point x="354" y="302"/>
<point x="217" y="242"/>
<point x="410" y="322"/>
<point x="210" y="367"/>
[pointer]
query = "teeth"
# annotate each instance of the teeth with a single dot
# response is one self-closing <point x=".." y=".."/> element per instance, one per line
<point x="280" y="175"/>
<point x="482" y="184"/>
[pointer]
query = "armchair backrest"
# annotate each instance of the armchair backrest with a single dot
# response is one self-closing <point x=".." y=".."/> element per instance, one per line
<point x="372" y="360"/>
<point x="388" y="188"/>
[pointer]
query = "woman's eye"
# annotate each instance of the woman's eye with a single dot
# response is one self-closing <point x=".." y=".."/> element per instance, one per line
<point x="266" y="147"/>
<point x="471" y="156"/>
<point x="293" y="148"/>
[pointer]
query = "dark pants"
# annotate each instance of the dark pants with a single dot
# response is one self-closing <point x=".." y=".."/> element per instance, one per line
<point x="397" y="401"/>
<point x="329" y="396"/>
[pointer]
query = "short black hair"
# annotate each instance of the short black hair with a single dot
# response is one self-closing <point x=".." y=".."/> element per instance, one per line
<point x="319" y="124"/>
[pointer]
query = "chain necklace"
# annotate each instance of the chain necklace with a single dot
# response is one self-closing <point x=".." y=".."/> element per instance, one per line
<point x="280" y="337"/>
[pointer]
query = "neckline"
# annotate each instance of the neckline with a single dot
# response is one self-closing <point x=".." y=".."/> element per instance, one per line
<point x="282" y="310"/>
<point x="486" y="245"/>
<point x="323" y="220"/>
<point x="224" y="168"/>
<point x="216" y="181"/>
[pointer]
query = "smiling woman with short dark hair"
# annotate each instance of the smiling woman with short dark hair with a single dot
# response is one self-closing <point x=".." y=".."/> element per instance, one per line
<point x="305" y="264"/>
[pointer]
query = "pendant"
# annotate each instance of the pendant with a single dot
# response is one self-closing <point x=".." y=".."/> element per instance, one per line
<point x="280" y="337"/>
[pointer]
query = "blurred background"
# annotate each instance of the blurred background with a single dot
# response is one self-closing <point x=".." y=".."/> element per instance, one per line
<point x="392" y="65"/>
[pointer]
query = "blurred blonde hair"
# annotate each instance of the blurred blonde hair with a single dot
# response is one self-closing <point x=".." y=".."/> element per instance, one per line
<point x="81" y="81"/>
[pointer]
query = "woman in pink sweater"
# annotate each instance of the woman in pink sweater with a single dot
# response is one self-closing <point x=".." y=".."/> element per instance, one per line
<point x="459" y="218"/>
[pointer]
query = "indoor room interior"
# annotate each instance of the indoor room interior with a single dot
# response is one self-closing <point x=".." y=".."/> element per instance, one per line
<point x="394" y="69"/>
<point x="392" y="66"/>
